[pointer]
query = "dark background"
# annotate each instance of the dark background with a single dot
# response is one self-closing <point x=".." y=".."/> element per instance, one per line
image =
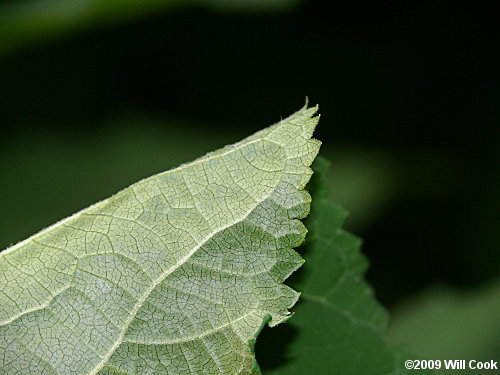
<point x="408" y="93"/>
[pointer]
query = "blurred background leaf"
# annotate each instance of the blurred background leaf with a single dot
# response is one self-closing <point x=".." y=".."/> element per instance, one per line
<point x="443" y="323"/>
<point x="28" y="22"/>
<point x="33" y="21"/>
<point x="97" y="94"/>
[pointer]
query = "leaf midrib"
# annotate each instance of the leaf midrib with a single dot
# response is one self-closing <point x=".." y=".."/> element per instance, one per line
<point x="172" y="269"/>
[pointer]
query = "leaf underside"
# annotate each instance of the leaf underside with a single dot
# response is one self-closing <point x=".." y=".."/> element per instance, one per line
<point x="174" y="275"/>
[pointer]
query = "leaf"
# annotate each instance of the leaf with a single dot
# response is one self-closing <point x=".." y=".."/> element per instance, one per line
<point x="174" y="275"/>
<point x="34" y="21"/>
<point x="339" y="325"/>
<point x="30" y="22"/>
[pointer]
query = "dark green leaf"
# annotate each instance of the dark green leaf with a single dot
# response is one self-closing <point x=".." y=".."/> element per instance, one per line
<point x="339" y="325"/>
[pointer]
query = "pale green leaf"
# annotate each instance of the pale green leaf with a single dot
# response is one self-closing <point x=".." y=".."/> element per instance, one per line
<point x="174" y="275"/>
